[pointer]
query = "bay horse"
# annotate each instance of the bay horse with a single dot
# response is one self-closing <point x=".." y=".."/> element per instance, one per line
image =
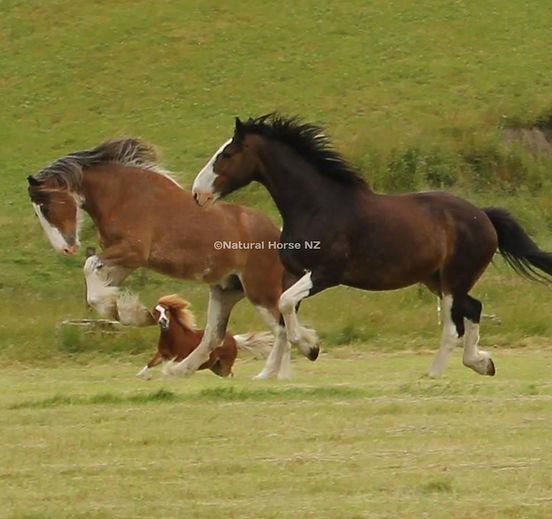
<point x="179" y="337"/>
<point x="145" y="219"/>
<point x="364" y="239"/>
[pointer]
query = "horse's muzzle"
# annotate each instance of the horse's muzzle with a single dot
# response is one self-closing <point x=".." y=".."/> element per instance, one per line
<point x="70" y="250"/>
<point x="203" y="198"/>
<point x="163" y="324"/>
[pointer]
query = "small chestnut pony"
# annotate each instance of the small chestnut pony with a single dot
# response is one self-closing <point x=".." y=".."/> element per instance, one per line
<point x="179" y="337"/>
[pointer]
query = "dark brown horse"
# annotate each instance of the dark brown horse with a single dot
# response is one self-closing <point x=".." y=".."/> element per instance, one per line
<point x="179" y="337"/>
<point x="145" y="219"/>
<point x="338" y="231"/>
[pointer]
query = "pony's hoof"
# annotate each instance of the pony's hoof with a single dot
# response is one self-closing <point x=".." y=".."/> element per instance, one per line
<point x="313" y="353"/>
<point x="491" y="370"/>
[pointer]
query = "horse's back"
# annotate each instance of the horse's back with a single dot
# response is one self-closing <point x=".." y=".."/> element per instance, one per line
<point x="405" y="239"/>
<point x="469" y="223"/>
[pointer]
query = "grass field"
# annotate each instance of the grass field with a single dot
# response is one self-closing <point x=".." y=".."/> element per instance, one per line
<point x="355" y="435"/>
<point x="416" y="94"/>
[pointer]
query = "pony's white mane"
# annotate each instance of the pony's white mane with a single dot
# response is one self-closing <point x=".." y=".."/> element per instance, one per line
<point x="179" y="308"/>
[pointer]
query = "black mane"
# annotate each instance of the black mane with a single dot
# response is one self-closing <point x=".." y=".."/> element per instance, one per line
<point x="66" y="172"/>
<point x="309" y="141"/>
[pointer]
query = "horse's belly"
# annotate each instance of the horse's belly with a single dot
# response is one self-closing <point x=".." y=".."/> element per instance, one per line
<point x="201" y="270"/>
<point x="387" y="274"/>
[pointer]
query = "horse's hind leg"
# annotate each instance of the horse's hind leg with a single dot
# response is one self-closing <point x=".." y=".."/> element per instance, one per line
<point x="449" y="338"/>
<point x="479" y="361"/>
<point x="278" y="363"/>
<point x="221" y="302"/>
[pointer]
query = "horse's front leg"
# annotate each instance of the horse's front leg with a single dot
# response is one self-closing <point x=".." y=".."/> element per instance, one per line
<point x="304" y="338"/>
<point x="100" y="294"/>
<point x="103" y="278"/>
<point x="221" y="302"/>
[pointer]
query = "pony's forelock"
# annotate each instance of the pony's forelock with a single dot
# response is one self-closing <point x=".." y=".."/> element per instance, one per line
<point x="180" y="309"/>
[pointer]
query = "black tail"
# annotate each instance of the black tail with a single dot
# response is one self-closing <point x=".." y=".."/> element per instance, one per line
<point x="518" y="249"/>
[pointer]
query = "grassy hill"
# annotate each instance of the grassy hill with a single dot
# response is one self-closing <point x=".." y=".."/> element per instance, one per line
<point x="416" y="94"/>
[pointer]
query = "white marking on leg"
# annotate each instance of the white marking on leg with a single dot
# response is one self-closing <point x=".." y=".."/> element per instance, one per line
<point x="273" y="362"/>
<point x="307" y="341"/>
<point x="449" y="337"/>
<point x="144" y="373"/>
<point x="188" y="366"/>
<point x="288" y="302"/>
<point x="276" y="362"/>
<point x="479" y="361"/>
<point x="268" y="318"/>
<point x="284" y="372"/>
<point x="99" y="295"/>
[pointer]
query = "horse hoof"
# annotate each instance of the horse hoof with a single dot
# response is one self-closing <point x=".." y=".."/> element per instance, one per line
<point x="491" y="371"/>
<point x="313" y="353"/>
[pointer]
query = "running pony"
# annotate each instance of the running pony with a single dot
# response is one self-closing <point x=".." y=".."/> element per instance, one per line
<point x="368" y="240"/>
<point x="145" y="219"/>
<point x="179" y="337"/>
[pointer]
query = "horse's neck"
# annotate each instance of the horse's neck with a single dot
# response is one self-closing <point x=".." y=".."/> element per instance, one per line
<point x="295" y="185"/>
<point x="288" y="178"/>
<point x="105" y="188"/>
<point x="101" y="191"/>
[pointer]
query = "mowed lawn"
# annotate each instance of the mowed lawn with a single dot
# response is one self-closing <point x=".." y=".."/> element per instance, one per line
<point x="354" y="434"/>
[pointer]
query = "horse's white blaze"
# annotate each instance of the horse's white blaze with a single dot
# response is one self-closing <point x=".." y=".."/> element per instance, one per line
<point x="54" y="236"/>
<point x="449" y="338"/>
<point x="205" y="179"/>
<point x="163" y="319"/>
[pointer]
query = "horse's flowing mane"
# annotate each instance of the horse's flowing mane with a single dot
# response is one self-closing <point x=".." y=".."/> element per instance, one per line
<point x="178" y="307"/>
<point x="66" y="172"/>
<point x="309" y="141"/>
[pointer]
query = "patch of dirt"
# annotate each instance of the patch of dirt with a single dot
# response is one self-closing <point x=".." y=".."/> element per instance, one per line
<point x="537" y="140"/>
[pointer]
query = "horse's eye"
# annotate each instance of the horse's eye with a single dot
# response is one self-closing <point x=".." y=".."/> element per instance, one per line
<point x="44" y="209"/>
<point x="224" y="155"/>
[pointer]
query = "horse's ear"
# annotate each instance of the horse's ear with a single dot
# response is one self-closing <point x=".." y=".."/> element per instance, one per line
<point x="33" y="181"/>
<point x="238" y="128"/>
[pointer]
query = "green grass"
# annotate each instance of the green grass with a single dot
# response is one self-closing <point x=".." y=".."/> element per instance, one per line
<point x="368" y="437"/>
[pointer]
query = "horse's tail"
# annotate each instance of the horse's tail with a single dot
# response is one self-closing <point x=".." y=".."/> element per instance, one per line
<point x="257" y="344"/>
<point x="517" y="247"/>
